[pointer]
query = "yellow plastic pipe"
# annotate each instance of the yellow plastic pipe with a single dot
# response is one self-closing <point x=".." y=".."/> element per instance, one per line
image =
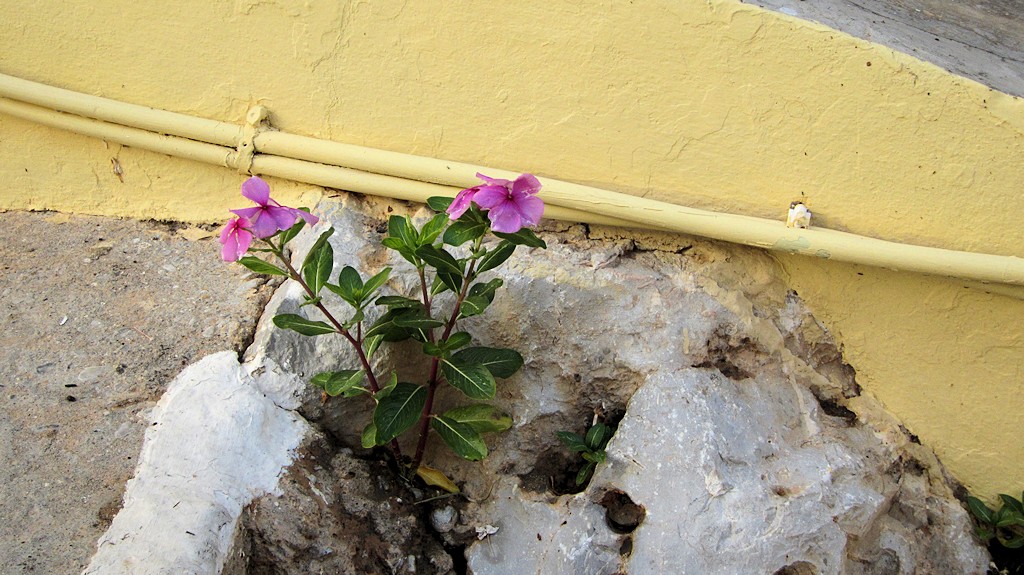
<point x="288" y="168"/>
<point x="416" y="178"/>
<point x="142" y="117"/>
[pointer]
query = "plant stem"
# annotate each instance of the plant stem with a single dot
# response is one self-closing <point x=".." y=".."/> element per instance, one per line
<point x="356" y="342"/>
<point x="433" y="382"/>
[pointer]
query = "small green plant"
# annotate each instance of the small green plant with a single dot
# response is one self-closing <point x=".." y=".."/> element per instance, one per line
<point x="1006" y="524"/>
<point x="448" y="254"/>
<point x="591" y="447"/>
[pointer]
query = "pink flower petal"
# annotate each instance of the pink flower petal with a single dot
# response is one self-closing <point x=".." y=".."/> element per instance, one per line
<point x="256" y="190"/>
<point x="310" y="218"/>
<point x="235" y="239"/>
<point x="264" y="226"/>
<point x="461" y="203"/>
<point x="492" y="181"/>
<point x="249" y="214"/>
<point x="282" y="217"/>
<point x="489" y="197"/>
<point x="505" y="218"/>
<point x="531" y="208"/>
<point x="526" y="184"/>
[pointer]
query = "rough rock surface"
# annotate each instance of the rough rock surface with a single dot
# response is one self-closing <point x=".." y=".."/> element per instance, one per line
<point x="746" y="441"/>
<point x="337" y="513"/>
<point x="710" y="475"/>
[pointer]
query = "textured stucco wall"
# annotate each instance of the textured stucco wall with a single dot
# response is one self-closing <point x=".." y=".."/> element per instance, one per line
<point x="711" y="104"/>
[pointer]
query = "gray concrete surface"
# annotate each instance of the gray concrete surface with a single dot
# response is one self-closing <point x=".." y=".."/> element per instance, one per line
<point x="98" y="315"/>
<point x="979" y="39"/>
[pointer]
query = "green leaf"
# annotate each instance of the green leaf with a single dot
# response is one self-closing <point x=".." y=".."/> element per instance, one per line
<point x="1007" y="518"/>
<point x="1009" y="501"/>
<point x="486" y="290"/>
<point x="302" y="325"/>
<point x="524" y="237"/>
<point x="416" y="319"/>
<point x="481" y="417"/>
<point x="439" y="203"/>
<point x="371" y="344"/>
<point x="316" y="270"/>
<point x="374" y="283"/>
<point x="319" y="242"/>
<point x="594" y="456"/>
<point x="350" y="286"/>
<point x="369" y="437"/>
<point x="385" y="326"/>
<point x="261" y="267"/>
<point x="450" y="281"/>
<point x="1014" y="543"/>
<point x="461" y="438"/>
<point x="980" y="510"/>
<point x="401" y="227"/>
<point x="473" y="305"/>
<point x="334" y="383"/>
<point x="499" y="361"/>
<point x="398" y="302"/>
<point x="496" y="257"/>
<point x="456" y="340"/>
<point x="399" y="411"/>
<point x="351" y="321"/>
<point x="470" y="378"/>
<point x="585" y="473"/>
<point x="403" y="250"/>
<point x="439" y="259"/>
<point x="573" y="441"/>
<point x="479" y="298"/>
<point x="432" y="229"/>
<point x="438" y="286"/>
<point x="289" y="234"/>
<point x="441" y="348"/>
<point x="598" y="436"/>
<point x="432" y="349"/>
<point x="310" y="300"/>
<point x="461" y="232"/>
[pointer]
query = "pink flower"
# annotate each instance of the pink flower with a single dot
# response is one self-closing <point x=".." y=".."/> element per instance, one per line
<point x="511" y="205"/>
<point x="236" y="239"/>
<point x="268" y="216"/>
<point x="461" y="202"/>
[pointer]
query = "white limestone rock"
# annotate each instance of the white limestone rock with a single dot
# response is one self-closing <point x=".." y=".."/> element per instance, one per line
<point x="732" y="477"/>
<point x="216" y="442"/>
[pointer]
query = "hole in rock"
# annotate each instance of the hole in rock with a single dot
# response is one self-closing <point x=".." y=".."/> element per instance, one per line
<point x="798" y="568"/>
<point x="833" y="408"/>
<point x="554" y="472"/>
<point x="555" y="469"/>
<point x="734" y="356"/>
<point x="622" y="514"/>
<point x="626" y="549"/>
<point x="460" y="565"/>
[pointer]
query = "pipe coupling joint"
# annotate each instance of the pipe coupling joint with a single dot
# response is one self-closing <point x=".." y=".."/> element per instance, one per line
<point x="245" y="151"/>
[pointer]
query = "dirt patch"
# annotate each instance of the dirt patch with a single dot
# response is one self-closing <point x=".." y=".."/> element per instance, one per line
<point x="99" y="315"/>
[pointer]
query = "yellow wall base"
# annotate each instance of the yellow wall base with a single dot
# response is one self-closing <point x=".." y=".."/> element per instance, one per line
<point x="707" y="103"/>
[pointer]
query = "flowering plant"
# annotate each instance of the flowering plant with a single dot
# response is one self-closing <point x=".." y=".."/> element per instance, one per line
<point x="500" y="207"/>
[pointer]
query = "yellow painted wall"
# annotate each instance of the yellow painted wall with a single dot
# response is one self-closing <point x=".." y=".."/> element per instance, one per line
<point x="706" y="103"/>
